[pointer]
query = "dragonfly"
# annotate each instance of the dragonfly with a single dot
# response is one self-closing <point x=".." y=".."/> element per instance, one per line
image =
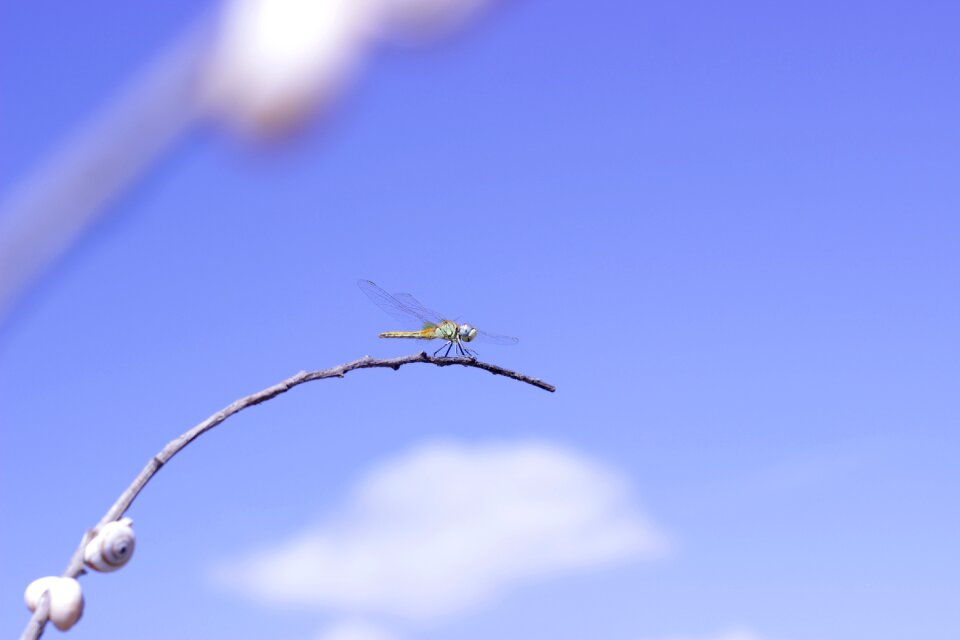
<point x="434" y="325"/>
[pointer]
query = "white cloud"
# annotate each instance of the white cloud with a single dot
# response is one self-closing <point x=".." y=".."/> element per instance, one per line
<point x="738" y="633"/>
<point x="355" y="630"/>
<point x="446" y="527"/>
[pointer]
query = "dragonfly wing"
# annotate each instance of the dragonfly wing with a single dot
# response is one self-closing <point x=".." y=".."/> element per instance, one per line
<point x="435" y="317"/>
<point x="391" y="304"/>
<point x="493" y="338"/>
<point x="405" y="307"/>
<point x="424" y="313"/>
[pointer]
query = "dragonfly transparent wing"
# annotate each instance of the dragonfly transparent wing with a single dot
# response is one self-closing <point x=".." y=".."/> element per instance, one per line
<point x="392" y="305"/>
<point x="405" y="307"/>
<point x="493" y="338"/>
<point x="482" y="336"/>
<point x="424" y="313"/>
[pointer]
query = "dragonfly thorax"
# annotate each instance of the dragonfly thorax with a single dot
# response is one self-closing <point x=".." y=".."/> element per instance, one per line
<point x="447" y="330"/>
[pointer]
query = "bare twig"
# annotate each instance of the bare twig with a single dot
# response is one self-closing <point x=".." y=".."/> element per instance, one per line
<point x="75" y="568"/>
<point x="39" y="619"/>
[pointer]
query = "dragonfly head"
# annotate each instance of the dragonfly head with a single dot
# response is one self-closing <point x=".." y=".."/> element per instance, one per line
<point x="467" y="333"/>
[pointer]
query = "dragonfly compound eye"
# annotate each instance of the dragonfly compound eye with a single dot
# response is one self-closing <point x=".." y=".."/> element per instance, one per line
<point x="467" y="333"/>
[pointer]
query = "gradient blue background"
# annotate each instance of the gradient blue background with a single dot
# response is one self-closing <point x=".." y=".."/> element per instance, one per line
<point x="728" y="233"/>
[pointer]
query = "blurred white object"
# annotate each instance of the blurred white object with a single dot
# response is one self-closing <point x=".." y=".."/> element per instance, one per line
<point x="66" y="599"/>
<point x="264" y="66"/>
<point x="275" y="60"/>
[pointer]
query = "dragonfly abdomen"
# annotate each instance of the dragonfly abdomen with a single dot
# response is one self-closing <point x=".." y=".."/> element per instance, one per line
<point x="425" y="334"/>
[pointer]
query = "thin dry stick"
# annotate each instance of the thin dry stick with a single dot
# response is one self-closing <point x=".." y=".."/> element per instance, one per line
<point x="75" y="568"/>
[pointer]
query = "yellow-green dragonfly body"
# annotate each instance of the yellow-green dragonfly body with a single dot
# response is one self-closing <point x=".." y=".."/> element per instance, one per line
<point x="434" y="326"/>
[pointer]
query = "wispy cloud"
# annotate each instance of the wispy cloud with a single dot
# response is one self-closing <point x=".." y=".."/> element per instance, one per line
<point x="447" y="527"/>
<point x="738" y="633"/>
<point x="357" y="629"/>
<point x="354" y="629"/>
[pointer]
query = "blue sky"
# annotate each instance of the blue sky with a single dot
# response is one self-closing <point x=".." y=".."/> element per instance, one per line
<point x="727" y="233"/>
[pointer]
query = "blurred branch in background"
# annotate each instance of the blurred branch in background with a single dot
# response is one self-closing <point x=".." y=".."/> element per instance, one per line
<point x="48" y="212"/>
<point x="262" y="66"/>
<point x="75" y="568"/>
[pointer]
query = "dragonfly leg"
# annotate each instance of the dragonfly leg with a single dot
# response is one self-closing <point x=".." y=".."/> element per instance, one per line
<point x="439" y="350"/>
<point x="449" y="346"/>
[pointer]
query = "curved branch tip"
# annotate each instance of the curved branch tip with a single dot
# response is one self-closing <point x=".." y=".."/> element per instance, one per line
<point x="75" y="568"/>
